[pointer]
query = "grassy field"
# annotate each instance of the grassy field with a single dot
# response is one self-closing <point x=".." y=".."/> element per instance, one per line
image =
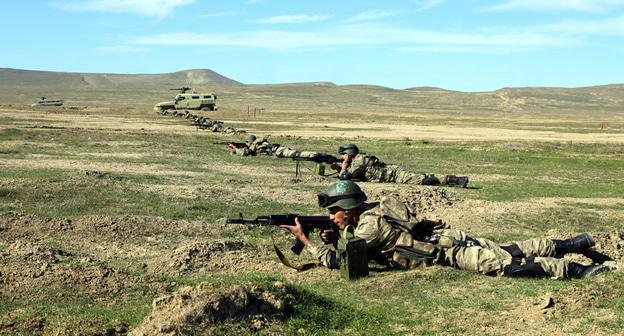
<point x="104" y="210"/>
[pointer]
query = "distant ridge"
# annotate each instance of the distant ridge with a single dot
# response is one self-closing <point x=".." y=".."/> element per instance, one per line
<point x="35" y="78"/>
<point x="25" y="86"/>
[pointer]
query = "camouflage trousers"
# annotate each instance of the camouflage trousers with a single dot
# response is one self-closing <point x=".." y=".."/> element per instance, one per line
<point x="488" y="257"/>
<point x="285" y="152"/>
<point x="395" y="174"/>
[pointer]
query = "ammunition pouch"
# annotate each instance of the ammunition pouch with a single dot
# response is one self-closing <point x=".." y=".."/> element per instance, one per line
<point x="353" y="254"/>
<point x="319" y="169"/>
<point x="411" y="253"/>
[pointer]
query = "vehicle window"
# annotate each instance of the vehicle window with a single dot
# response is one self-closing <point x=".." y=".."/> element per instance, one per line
<point x="195" y="97"/>
<point x="207" y="97"/>
<point x="181" y="98"/>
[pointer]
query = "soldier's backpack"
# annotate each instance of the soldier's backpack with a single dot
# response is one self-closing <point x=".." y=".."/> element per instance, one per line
<point x="414" y="246"/>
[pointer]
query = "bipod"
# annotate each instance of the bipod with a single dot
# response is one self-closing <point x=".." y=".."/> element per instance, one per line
<point x="297" y="169"/>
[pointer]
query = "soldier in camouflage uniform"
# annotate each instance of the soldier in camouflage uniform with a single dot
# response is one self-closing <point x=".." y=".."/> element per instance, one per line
<point x="398" y="242"/>
<point x="255" y="146"/>
<point x="249" y="148"/>
<point x="368" y="168"/>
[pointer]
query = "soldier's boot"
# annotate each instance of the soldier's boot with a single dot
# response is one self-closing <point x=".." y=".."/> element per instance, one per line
<point x="578" y="244"/>
<point x="430" y="179"/>
<point x="454" y="180"/>
<point x="578" y="271"/>
<point x="530" y="269"/>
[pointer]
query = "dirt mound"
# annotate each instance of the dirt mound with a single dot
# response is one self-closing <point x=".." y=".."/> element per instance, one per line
<point x="30" y="270"/>
<point x="610" y="244"/>
<point x="311" y="179"/>
<point x="221" y="255"/>
<point x="609" y="249"/>
<point x="193" y="310"/>
<point x="423" y="202"/>
<point x="28" y="252"/>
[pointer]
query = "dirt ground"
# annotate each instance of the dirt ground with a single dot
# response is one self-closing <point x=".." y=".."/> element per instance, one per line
<point x="100" y="255"/>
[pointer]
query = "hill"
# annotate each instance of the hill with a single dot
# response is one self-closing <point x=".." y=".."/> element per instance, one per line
<point x="37" y="79"/>
<point x="143" y="90"/>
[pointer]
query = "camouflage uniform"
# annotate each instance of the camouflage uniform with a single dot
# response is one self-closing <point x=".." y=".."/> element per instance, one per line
<point x="369" y="168"/>
<point x="258" y="146"/>
<point x="262" y="146"/>
<point x="454" y="247"/>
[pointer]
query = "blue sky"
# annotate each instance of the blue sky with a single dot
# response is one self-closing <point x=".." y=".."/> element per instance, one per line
<point x="462" y="45"/>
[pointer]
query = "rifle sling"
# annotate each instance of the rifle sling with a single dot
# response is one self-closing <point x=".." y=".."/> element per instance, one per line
<point x="282" y="258"/>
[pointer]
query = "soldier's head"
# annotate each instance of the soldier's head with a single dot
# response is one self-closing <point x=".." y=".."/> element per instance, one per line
<point x="344" y="200"/>
<point x="250" y="138"/>
<point x="351" y="150"/>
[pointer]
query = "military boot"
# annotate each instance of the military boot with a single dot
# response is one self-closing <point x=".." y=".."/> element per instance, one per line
<point x="578" y="244"/>
<point x="430" y="180"/>
<point x="578" y="271"/>
<point x="454" y="180"/>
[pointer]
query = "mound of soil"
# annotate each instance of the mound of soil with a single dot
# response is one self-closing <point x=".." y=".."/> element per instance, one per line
<point x="29" y="271"/>
<point x="610" y="244"/>
<point x="425" y="202"/>
<point x="194" y="310"/>
<point x="220" y="255"/>
<point x="609" y="249"/>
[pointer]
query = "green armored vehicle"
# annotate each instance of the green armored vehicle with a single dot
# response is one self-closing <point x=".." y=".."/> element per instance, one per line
<point x="186" y="100"/>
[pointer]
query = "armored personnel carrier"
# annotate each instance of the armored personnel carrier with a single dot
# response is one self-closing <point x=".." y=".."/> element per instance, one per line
<point x="189" y="100"/>
<point x="43" y="101"/>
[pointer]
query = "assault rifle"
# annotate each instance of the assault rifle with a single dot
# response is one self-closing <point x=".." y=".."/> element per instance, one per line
<point x="236" y="144"/>
<point x="308" y="223"/>
<point x="320" y="159"/>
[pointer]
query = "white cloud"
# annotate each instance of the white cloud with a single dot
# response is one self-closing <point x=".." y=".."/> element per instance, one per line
<point x="558" y="5"/>
<point x="428" y="4"/>
<point x="604" y="27"/>
<point x="298" y="18"/>
<point x="122" y="49"/>
<point x="371" y="15"/>
<point x="459" y="49"/>
<point x="219" y="14"/>
<point x="159" y="8"/>
<point x="355" y="35"/>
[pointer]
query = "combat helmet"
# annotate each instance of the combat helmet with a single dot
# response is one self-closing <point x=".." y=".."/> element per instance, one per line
<point x="343" y="194"/>
<point x="250" y="138"/>
<point x="350" y="149"/>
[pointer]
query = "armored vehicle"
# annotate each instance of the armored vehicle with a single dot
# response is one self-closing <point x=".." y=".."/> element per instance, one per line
<point x="187" y="100"/>
<point x="43" y="101"/>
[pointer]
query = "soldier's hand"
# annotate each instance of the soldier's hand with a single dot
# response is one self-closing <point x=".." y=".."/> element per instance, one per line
<point x="297" y="231"/>
<point x="335" y="166"/>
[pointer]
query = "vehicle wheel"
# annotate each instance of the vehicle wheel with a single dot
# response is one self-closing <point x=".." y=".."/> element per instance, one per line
<point x="206" y="108"/>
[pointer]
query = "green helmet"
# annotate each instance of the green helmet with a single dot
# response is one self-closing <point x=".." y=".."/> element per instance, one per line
<point x="250" y="138"/>
<point x="350" y="149"/>
<point x="343" y="194"/>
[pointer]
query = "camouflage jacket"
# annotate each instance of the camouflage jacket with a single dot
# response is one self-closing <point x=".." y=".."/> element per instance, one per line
<point x="382" y="236"/>
<point x="259" y="146"/>
<point x="365" y="168"/>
